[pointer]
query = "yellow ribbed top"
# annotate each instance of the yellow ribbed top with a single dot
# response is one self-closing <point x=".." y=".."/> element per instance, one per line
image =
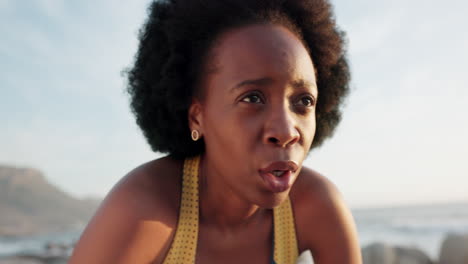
<point x="184" y="247"/>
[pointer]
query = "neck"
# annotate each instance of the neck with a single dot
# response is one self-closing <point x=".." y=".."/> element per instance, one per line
<point x="219" y="205"/>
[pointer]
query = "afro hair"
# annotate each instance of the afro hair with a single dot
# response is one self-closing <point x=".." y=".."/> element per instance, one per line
<point x="174" y="45"/>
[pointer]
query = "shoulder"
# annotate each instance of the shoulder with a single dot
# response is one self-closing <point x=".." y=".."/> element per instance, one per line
<point x="324" y="223"/>
<point x="136" y="221"/>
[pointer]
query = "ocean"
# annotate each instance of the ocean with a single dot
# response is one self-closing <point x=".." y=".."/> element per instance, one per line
<point x="423" y="227"/>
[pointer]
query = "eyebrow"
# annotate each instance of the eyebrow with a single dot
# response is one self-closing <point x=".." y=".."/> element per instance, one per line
<point x="300" y="83"/>
<point x="259" y="82"/>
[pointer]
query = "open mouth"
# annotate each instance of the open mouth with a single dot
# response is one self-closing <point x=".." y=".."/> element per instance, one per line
<point x="277" y="180"/>
<point x="278" y="173"/>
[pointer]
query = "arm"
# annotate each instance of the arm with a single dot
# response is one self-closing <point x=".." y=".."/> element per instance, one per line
<point x="133" y="225"/>
<point x="323" y="221"/>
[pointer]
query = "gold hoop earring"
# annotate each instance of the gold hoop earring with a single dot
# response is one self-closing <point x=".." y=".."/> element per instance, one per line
<point x="195" y="135"/>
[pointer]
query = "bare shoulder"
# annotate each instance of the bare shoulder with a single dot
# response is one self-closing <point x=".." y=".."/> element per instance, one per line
<point x="324" y="223"/>
<point x="135" y="223"/>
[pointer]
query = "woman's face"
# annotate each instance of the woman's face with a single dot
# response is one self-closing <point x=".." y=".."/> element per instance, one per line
<point x="257" y="115"/>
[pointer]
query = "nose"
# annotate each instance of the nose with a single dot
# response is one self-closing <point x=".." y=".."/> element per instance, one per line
<point x="281" y="128"/>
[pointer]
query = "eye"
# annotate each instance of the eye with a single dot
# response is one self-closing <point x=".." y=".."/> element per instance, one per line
<point x="307" y="101"/>
<point x="253" y="98"/>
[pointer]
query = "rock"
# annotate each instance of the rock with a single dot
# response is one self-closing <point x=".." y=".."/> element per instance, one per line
<point x="412" y="256"/>
<point x="380" y="253"/>
<point x="454" y="250"/>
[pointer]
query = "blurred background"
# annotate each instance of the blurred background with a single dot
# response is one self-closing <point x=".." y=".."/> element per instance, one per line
<point x="67" y="136"/>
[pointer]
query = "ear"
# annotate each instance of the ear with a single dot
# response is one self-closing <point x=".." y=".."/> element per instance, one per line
<point x="195" y="116"/>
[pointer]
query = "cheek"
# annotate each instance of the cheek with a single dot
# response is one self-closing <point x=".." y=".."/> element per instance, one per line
<point x="249" y="120"/>
<point x="230" y="127"/>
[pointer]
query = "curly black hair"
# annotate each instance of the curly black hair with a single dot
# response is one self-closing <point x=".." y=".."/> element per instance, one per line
<point x="174" y="45"/>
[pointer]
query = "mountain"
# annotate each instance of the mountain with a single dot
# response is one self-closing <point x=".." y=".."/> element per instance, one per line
<point x="29" y="204"/>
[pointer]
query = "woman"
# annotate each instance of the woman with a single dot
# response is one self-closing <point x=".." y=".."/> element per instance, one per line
<point x="237" y="92"/>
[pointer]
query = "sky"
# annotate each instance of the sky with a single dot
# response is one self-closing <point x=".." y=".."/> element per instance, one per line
<point x="402" y="140"/>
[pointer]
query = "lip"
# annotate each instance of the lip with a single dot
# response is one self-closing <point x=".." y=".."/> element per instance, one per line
<point x="281" y="165"/>
<point x="282" y="183"/>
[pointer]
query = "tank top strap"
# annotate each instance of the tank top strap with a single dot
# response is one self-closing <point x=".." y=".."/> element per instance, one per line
<point x="184" y="245"/>
<point x="285" y="243"/>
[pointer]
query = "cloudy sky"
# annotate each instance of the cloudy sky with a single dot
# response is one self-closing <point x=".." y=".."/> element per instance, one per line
<point x="403" y="139"/>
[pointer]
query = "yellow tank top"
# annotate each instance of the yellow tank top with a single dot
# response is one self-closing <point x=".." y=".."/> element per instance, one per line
<point x="184" y="246"/>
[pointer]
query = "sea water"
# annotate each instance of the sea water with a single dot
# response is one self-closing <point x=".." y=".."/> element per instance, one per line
<point x="423" y="227"/>
<point x="36" y="244"/>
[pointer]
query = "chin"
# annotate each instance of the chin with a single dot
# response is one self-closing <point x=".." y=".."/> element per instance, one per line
<point x="272" y="200"/>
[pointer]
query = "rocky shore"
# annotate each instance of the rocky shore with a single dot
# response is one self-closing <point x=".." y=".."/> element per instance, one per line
<point x="454" y="250"/>
<point x="53" y="253"/>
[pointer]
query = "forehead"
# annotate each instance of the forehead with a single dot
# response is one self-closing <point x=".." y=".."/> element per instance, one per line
<point x="262" y="51"/>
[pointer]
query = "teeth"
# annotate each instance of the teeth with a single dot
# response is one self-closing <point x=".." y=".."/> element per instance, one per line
<point x="277" y="173"/>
